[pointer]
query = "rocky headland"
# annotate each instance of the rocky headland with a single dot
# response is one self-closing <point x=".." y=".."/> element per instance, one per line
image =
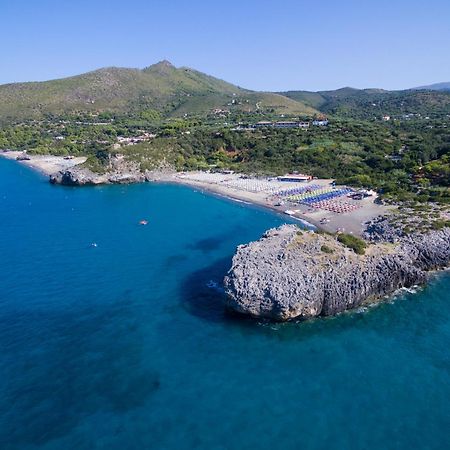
<point x="118" y="171"/>
<point x="294" y="274"/>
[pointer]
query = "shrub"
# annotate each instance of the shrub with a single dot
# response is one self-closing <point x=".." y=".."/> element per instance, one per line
<point x="353" y="242"/>
<point x="440" y="224"/>
<point x="326" y="249"/>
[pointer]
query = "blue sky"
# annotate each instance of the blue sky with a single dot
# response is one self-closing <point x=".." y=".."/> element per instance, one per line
<point x="263" y="45"/>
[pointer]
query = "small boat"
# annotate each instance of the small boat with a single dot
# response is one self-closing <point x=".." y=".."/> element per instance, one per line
<point x="143" y="222"/>
<point x="94" y="244"/>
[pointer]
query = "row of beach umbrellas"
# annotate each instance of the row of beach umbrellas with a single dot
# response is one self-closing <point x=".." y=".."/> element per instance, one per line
<point x="336" y="206"/>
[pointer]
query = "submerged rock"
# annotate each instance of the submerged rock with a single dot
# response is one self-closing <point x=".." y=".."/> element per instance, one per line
<point x="291" y="274"/>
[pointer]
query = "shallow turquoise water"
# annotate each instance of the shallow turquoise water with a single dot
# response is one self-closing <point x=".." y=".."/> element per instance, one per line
<point x="124" y="346"/>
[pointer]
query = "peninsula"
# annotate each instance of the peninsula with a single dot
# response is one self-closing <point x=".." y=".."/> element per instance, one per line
<point x="293" y="274"/>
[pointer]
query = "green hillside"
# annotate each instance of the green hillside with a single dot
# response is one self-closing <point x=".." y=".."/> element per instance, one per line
<point x="374" y="103"/>
<point x="179" y="92"/>
<point x="161" y="87"/>
<point x="436" y="87"/>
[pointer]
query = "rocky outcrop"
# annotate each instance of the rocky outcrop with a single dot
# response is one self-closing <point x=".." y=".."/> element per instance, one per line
<point x="381" y="230"/>
<point x="118" y="171"/>
<point x="77" y="176"/>
<point x="81" y="176"/>
<point x="291" y="274"/>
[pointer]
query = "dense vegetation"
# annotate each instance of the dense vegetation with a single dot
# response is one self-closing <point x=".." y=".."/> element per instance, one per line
<point x="192" y="121"/>
<point x="369" y="104"/>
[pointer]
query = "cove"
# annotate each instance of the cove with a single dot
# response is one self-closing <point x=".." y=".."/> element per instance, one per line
<point x="127" y="346"/>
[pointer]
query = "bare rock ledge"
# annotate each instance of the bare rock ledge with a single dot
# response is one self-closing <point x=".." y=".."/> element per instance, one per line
<point x="293" y="274"/>
<point x="77" y="176"/>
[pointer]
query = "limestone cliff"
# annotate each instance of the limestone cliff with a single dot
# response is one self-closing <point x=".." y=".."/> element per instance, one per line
<point x="118" y="171"/>
<point x="290" y="274"/>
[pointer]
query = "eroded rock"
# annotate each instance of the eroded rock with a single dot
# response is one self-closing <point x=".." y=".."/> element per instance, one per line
<point x="290" y="274"/>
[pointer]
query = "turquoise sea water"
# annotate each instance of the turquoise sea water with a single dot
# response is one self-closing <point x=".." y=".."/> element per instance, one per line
<point x="125" y="346"/>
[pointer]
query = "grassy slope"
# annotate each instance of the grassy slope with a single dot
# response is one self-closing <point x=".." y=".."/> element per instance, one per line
<point x="161" y="86"/>
<point x="178" y="91"/>
<point x="368" y="103"/>
<point x="245" y="101"/>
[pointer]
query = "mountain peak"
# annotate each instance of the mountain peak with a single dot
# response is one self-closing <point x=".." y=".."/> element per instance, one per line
<point x="160" y="67"/>
<point x="165" y="63"/>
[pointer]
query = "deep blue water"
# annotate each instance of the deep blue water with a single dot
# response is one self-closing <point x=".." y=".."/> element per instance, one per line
<point x="124" y="346"/>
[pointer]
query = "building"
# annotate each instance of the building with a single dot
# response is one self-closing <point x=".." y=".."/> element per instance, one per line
<point x="394" y="158"/>
<point x="282" y="124"/>
<point x="291" y="124"/>
<point x="285" y="124"/>
<point x="296" y="178"/>
<point x="320" y="122"/>
<point x="135" y="139"/>
<point x="263" y="124"/>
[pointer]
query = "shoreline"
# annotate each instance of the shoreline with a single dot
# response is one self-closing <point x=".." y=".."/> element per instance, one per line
<point x="49" y="165"/>
<point x="209" y="190"/>
<point x="245" y="190"/>
<point x="353" y="222"/>
<point x="287" y="275"/>
<point x="223" y="185"/>
<point x="44" y="164"/>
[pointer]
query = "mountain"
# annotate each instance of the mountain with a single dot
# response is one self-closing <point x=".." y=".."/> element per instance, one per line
<point x="435" y="87"/>
<point x="175" y="92"/>
<point x="161" y="87"/>
<point x="369" y="103"/>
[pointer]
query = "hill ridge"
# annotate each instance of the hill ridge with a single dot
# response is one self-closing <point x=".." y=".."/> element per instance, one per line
<point x="161" y="87"/>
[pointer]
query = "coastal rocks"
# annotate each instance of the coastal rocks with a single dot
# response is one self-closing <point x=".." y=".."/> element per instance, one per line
<point x="78" y="176"/>
<point x="23" y="157"/>
<point x="291" y="274"/>
<point x="118" y="171"/>
<point x="381" y="230"/>
<point x="81" y="176"/>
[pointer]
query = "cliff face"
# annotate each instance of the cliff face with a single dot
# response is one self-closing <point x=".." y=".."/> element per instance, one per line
<point x="291" y="274"/>
<point x="80" y="176"/>
<point x="118" y="171"/>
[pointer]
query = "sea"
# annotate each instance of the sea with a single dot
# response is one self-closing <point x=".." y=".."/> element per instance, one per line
<point x="113" y="335"/>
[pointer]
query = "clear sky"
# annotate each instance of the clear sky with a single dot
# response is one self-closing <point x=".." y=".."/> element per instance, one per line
<point x="262" y="45"/>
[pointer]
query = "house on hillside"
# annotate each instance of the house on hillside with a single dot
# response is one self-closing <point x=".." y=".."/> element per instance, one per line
<point x="285" y="124"/>
<point x="291" y="124"/>
<point x="320" y="122"/>
<point x="263" y="124"/>
<point x="394" y="158"/>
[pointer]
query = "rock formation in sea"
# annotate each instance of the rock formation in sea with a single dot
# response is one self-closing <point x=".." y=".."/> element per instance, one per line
<point x="293" y="274"/>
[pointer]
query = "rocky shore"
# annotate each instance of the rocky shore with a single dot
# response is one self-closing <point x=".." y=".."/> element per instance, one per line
<point x="294" y="274"/>
<point x="83" y="176"/>
<point x="118" y="171"/>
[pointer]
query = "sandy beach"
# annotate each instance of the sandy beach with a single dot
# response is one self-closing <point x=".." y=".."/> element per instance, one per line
<point x="45" y="164"/>
<point x="263" y="192"/>
<point x="222" y="185"/>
